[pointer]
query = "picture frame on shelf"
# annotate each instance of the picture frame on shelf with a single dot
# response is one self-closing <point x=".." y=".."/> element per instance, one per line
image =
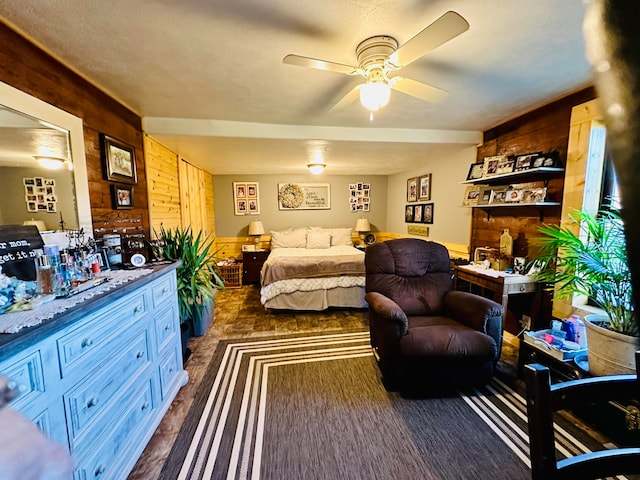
<point x="122" y="196"/>
<point x="471" y="195"/>
<point x="118" y="160"/>
<point x="498" y="195"/>
<point x="476" y="171"/>
<point x="513" y="196"/>
<point x="412" y="189"/>
<point x="408" y="214"/>
<point x="524" y="162"/>
<point x="424" y="187"/>
<point x="534" y="195"/>
<point x="491" y="165"/>
<point x="505" y="165"/>
<point x="485" y="195"/>
<point x="427" y="213"/>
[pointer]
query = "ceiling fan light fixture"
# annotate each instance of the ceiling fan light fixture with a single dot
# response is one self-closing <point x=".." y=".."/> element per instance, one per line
<point x="316" y="168"/>
<point x="50" y="163"/>
<point x="374" y="95"/>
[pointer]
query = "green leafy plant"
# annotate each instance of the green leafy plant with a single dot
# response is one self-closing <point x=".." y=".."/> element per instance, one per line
<point x="593" y="263"/>
<point x="197" y="276"/>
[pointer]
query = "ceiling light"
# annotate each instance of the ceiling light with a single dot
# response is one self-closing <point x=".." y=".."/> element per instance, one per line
<point x="50" y="163"/>
<point x="374" y="95"/>
<point x="316" y="168"/>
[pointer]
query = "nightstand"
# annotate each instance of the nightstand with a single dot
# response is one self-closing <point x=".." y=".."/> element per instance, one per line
<point x="252" y="264"/>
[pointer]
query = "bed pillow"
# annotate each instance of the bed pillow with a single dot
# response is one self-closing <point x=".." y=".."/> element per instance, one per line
<point x="289" y="238"/>
<point x="341" y="236"/>
<point x="318" y="238"/>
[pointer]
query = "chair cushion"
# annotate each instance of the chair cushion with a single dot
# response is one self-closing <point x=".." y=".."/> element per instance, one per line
<point x="442" y="337"/>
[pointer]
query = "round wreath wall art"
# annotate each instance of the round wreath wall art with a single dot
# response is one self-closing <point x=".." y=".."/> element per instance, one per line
<point x="291" y="196"/>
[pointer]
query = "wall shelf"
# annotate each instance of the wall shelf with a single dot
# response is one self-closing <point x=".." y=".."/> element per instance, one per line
<point x="501" y="177"/>
<point x="540" y="206"/>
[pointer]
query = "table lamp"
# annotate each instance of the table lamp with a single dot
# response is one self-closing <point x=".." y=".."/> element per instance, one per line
<point x="362" y="227"/>
<point x="255" y="230"/>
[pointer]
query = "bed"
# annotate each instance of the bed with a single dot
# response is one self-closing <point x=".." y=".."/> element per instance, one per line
<point x="313" y="269"/>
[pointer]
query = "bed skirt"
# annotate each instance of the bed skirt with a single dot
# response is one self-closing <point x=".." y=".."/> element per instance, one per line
<point x="318" y="300"/>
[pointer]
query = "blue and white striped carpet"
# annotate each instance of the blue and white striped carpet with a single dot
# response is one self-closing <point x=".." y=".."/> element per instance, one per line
<point x="314" y="407"/>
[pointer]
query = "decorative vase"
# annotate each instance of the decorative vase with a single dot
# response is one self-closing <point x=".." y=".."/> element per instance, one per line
<point x="610" y="353"/>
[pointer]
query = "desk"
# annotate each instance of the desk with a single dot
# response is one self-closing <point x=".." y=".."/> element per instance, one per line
<point x="502" y="284"/>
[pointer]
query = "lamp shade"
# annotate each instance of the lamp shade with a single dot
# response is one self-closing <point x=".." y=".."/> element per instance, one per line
<point x="362" y="225"/>
<point x="316" y="168"/>
<point x="256" y="228"/>
<point x="374" y="95"/>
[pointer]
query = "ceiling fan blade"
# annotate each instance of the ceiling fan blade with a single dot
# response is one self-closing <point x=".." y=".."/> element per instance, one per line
<point x="347" y="100"/>
<point x="419" y="90"/>
<point x="445" y="28"/>
<point x="320" y="64"/>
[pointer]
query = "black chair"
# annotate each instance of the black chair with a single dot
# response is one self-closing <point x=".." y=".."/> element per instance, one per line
<point x="543" y="399"/>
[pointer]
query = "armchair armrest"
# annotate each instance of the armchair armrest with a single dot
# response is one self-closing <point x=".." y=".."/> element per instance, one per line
<point x="386" y="309"/>
<point x="475" y="311"/>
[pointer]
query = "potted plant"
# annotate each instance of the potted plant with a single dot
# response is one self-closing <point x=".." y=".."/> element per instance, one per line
<point x="197" y="277"/>
<point x="593" y="262"/>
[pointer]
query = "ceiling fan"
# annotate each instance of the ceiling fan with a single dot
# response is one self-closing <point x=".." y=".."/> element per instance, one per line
<point x="380" y="56"/>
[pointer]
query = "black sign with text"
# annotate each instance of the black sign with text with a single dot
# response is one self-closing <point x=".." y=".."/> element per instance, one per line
<point x="18" y="245"/>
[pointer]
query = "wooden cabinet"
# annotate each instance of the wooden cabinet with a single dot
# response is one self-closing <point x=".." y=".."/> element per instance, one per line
<point x="252" y="265"/>
<point x="100" y="383"/>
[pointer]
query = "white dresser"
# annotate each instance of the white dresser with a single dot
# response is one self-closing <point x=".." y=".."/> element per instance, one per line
<point x="99" y="379"/>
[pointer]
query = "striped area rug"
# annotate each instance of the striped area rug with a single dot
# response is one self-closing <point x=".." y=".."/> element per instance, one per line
<point x="314" y="407"/>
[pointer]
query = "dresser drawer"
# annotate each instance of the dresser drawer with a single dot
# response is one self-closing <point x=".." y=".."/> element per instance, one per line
<point x="124" y="430"/>
<point x="170" y="365"/>
<point x="92" y="397"/>
<point x="163" y="290"/>
<point x="93" y="338"/>
<point x="167" y="325"/>
<point x="27" y="372"/>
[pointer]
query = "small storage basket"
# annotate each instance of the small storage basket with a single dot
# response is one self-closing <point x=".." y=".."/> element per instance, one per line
<point x="231" y="275"/>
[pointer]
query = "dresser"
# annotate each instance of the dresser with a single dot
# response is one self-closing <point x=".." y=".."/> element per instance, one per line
<point x="252" y="265"/>
<point x="98" y="378"/>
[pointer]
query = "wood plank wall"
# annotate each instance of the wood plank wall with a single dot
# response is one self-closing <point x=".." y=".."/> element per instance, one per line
<point x="28" y="68"/>
<point x="162" y="185"/>
<point x="545" y="129"/>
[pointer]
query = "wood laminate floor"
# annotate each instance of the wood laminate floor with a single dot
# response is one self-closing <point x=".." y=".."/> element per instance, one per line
<point x="239" y="314"/>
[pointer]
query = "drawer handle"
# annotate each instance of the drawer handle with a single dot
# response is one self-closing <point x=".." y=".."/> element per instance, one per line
<point x="99" y="471"/>
<point x="140" y="354"/>
<point x="164" y="290"/>
<point x="93" y="401"/>
<point x="167" y="327"/>
<point x="138" y="309"/>
<point x="145" y="405"/>
<point x="87" y="342"/>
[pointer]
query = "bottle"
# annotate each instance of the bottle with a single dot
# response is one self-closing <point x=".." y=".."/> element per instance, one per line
<point x="44" y="275"/>
<point x="581" y="331"/>
<point x="506" y="243"/>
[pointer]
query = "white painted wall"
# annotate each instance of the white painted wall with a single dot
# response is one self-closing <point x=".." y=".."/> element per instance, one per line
<point x="451" y="221"/>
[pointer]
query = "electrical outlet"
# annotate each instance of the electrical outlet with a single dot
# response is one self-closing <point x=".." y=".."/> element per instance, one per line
<point x="525" y="322"/>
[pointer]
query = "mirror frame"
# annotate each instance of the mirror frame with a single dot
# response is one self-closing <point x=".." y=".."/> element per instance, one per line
<point x="34" y="107"/>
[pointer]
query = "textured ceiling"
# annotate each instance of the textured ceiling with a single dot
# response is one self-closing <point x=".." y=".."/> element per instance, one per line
<point x="208" y="79"/>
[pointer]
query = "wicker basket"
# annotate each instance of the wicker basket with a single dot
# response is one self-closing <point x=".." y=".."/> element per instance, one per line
<point x="231" y="275"/>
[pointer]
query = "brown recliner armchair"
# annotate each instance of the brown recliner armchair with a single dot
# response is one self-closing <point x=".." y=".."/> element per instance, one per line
<point x="427" y="338"/>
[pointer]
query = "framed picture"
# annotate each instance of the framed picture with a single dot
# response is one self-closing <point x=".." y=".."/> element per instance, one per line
<point x="524" y="162"/>
<point x="304" y="196"/>
<point x="498" y="195"/>
<point x="118" y="159"/>
<point x="412" y="189"/>
<point x="471" y="195"/>
<point x="122" y="196"/>
<point x="491" y="165"/>
<point x="534" y="195"/>
<point x="476" y="171"/>
<point x="424" y="187"/>
<point x="505" y="165"/>
<point x="427" y="213"/>
<point x="246" y="198"/>
<point x="417" y="214"/>
<point x="408" y="214"/>
<point x="513" y="196"/>
<point x="485" y="195"/>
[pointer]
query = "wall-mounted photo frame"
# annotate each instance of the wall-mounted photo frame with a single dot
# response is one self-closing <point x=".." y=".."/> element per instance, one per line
<point x="427" y="213"/>
<point x="417" y="213"/>
<point x="118" y="160"/>
<point x="359" y="197"/>
<point x="424" y="187"/>
<point x="304" y="196"/>
<point x="412" y="189"/>
<point x="476" y="171"/>
<point x="246" y="198"/>
<point x="122" y="196"/>
<point x="408" y="214"/>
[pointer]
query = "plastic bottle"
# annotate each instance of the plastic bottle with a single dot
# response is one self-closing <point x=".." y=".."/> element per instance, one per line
<point x="581" y="331"/>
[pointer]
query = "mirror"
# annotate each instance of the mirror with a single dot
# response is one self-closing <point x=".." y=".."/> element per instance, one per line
<point x="31" y="128"/>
